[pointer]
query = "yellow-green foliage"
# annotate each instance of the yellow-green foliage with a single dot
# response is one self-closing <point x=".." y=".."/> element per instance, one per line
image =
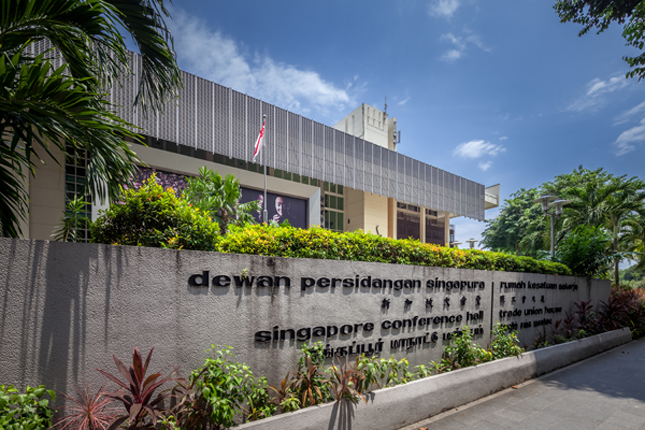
<point x="152" y="216"/>
<point x="319" y="243"/>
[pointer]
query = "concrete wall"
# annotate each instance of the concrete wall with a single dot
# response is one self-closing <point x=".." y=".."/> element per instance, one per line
<point x="47" y="196"/>
<point x="366" y="211"/>
<point x="66" y="308"/>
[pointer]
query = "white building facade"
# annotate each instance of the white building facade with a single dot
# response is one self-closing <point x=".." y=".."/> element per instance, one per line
<point x="345" y="177"/>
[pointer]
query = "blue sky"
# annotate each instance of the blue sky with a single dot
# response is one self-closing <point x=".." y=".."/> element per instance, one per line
<point x="496" y="91"/>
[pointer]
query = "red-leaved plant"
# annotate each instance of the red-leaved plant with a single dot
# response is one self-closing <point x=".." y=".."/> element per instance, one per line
<point x="137" y="391"/>
<point x="88" y="411"/>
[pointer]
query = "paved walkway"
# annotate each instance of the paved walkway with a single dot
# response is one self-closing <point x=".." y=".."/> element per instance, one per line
<point x="606" y="392"/>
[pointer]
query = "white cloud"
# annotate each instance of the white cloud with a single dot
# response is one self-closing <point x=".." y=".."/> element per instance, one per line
<point x="443" y="8"/>
<point x="597" y="86"/>
<point x="485" y="165"/>
<point x="477" y="41"/>
<point x="450" y="56"/>
<point x="460" y="45"/>
<point x="626" y="116"/>
<point x="503" y="138"/>
<point x="624" y="142"/>
<point x="477" y="149"/>
<point x="217" y="57"/>
<point x="402" y="102"/>
<point x="457" y="41"/>
<point x="596" y="91"/>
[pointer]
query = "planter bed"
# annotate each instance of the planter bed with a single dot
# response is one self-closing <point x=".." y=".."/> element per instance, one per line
<point x="396" y="407"/>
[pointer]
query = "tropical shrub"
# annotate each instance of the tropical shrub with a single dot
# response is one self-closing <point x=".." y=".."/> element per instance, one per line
<point x="586" y="317"/>
<point x="219" y="197"/>
<point x="28" y="411"/>
<point x="221" y="390"/>
<point x="586" y="251"/>
<point x="345" y="382"/>
<point x="312" y="385"/>
<point x="137" y="390"/>
<point x="152" y="216"/>
<point x="463" y="352"/>
<point x="504" y="344"/>
<point x="88" y="411"/>
<point x="75" y="217"/>
<point x="316" y="242"/>
<point x="285" y="397"/>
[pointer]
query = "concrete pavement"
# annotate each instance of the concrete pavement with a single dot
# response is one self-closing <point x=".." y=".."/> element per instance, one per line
<point x="605" y="392"/>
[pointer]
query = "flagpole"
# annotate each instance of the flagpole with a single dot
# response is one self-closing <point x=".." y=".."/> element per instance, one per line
<point x="265" y="213"/>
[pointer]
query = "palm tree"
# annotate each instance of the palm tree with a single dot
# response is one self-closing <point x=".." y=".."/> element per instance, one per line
<point x="86" y="33"/>
<point x="220" y="198"/>
<point x="589" y="203"/>
<point x="632" y="238"/>
<point x="619" y="208"/>
<point x="40" y="106"/>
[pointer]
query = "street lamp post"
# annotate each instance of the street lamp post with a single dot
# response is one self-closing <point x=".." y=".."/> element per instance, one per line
<point x="547" y="203"/>
<point x="453" y="244"/>
<point x="472" y="242"/>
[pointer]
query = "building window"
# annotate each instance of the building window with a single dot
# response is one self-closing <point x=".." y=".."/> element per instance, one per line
<point x="334" y="207"/>
<point x="411" y="208"/>
<point x="75" y="186"/>
<point x="431" y="212"/>
<point x="408" y="225"/>
<point x="435" y="232"/>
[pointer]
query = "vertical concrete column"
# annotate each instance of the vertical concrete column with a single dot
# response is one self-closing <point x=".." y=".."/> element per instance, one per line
<point x="97" y="204"/>
<point x="446" y="228"/>
<point x="391" y="218"/>
<point x="422" y="225"/>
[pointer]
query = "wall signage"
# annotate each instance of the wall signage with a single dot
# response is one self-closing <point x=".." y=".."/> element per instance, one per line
<point x="449" y="306"/>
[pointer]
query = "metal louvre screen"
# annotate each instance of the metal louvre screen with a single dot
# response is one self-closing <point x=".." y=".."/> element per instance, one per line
<point x="211" y="117"/>
<point x="454" y="194"/>
<point x="294" y="142"/>
<point x="349" y="161"/>
<point x="239" y="132"/>
<point x="307" y="147"/>
<point x="450" y="195"/>
<point x="359" y="174"/>
<point x="339" y="158"/>
<point x="281" y="139"/>
<point x="319" y="151"/>
<point x="400" y="177"/>
<point x="329" y="153"/>
<point x="124" y="96"/>
<point x="437" y="194"/>
<point x="220" y="118"/>
<point x="418" y="182"/>
<point x="376" y="173"/>
<point x="186" y="131"/>
<point x="392" y="186"/>
<point x="203" y="118"/>
<point x="146" y="120"/>
<point x="385" y="172"/>
<point x="368" y="166"/>
<point x="427" y="180"/>
<point x="408" y="180"/>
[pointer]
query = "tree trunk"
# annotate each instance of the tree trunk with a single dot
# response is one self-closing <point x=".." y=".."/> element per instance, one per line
<point x="616" y="277"/>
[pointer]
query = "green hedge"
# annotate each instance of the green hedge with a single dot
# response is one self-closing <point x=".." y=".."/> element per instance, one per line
<point x="319" y="243"/>
<point x="154" y="217"/>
